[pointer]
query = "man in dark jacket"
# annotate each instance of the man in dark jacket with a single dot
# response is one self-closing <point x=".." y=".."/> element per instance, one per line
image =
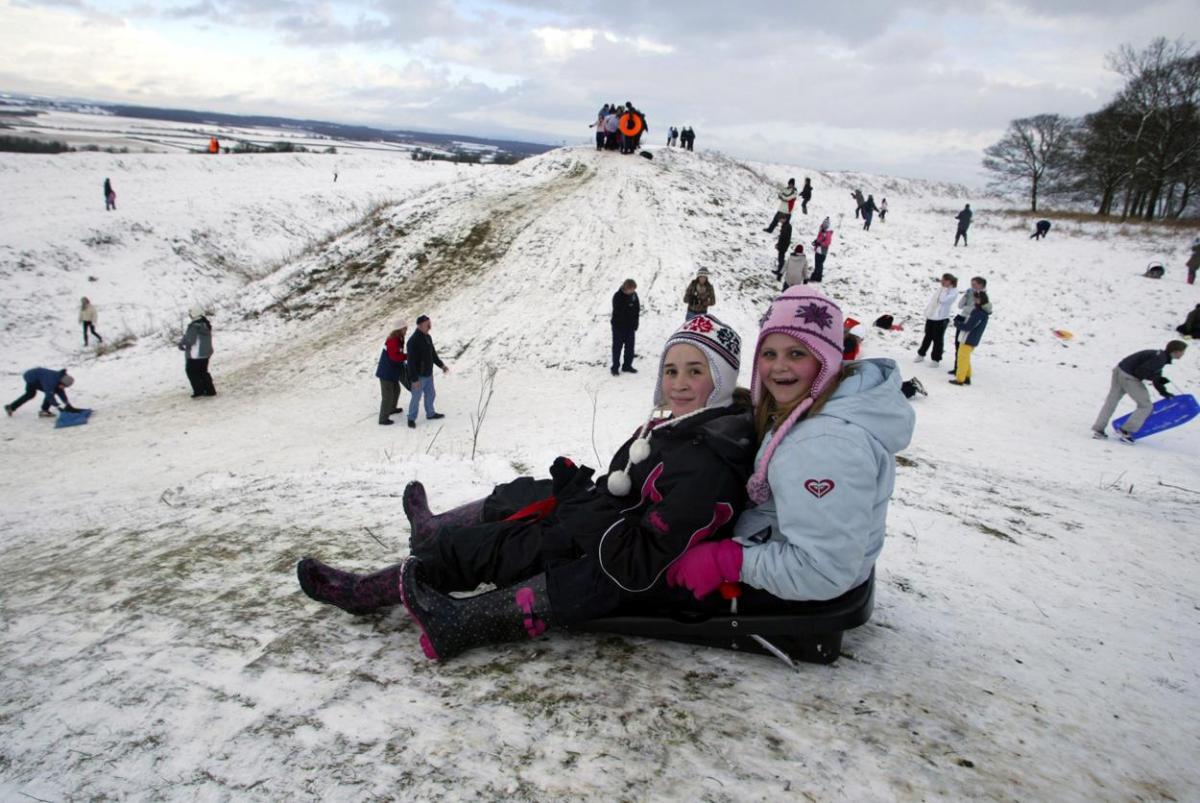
<point x="197" y="345"/>
<point x="806" y="195"/>
<point x="422" y="356"/>
<point x="1127" y="377"/>
<point x="48" y="381"/>
<point x="964" y="222"/>
<point x="625" y="311"/>
<point x="1041" y="230"/>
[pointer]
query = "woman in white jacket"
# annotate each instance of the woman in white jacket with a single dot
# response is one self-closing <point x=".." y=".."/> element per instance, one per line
<point x="937" y="316"/>
<point x="825" y="467"/>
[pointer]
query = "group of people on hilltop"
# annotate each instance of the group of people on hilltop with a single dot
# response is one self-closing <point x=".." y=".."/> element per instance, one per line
<point x="783" y="489"/>
<point x="619" y="128"/>
<point x="685" y="138"/>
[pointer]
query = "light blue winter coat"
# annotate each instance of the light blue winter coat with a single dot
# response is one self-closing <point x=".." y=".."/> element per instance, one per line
<point x="819" y="534"/>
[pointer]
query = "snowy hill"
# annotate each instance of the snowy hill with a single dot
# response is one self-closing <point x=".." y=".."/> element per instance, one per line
<point x="1034" y="634"/>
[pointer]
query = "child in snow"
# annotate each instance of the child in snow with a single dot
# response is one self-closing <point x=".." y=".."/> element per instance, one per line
<point x="821" y="249"/>
<point x="806" y="195"/>
<point x="1127" y="378"/>
<point x="969" y="333"/>
<point x="781" y="246"/>
<point x="1041" y="230"/>
<point x="567" y="550"/>
<point x="87" y="318"/>
<point x="197" y="343"/>
<point x="392" y="372"/>
<point x="699" y="296"/>
<point x="964" y="223"/>
<point x="966" y="303"/>
<point x="110" y="196"/>
<point x="883" y="211"/>
<point x="868" y="210"/>
<point x="796" y="270"/>
<point x="937" y="317"/>
<point x="50" y="382"/>
<point x="787" y="199"/>
<point x="1193" y="263"/>
<point x="825" y="467"/>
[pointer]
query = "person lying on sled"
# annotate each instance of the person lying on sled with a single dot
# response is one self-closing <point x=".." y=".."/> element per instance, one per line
<point x="568" y="550"/>
<point x="829" y="432"/>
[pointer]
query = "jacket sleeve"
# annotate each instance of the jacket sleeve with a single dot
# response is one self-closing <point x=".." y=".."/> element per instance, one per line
<point x="189" y="337"/>
<point x="434" y="357"/>
<point x="682" y="506"/>
<point x="820" y="541"/>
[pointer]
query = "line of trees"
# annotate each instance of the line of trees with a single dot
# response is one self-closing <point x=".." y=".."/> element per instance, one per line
<point x="1139" y="156"/>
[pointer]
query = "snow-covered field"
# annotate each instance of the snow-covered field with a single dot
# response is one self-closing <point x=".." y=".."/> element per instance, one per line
<point x="1035" y="628"/>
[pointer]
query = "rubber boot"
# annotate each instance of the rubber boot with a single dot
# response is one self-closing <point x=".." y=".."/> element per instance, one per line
<point x="452" y="625"/>
<point x="425" y="525"/>
<point x="353" y="593"/>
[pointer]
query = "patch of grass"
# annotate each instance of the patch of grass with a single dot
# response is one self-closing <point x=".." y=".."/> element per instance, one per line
<point x="994" y="533"/>
<point x="114" y="344"/>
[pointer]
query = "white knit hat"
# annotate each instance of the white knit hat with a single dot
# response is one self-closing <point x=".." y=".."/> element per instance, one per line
<point x="195" y="312"/>
<point x="722" y="347"/>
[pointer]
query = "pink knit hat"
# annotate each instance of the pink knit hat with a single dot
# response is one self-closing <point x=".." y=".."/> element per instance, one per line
<point x="814" y="320"/>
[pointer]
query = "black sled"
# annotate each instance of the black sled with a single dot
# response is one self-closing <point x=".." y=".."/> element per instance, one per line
<point x="755" y="622"/>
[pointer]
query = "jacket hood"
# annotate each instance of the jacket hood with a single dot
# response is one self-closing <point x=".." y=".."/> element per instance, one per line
<point x="871" y="398"/>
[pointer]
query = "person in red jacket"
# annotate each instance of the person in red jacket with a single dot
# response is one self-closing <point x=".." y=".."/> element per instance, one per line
<point x="391" y="372"/>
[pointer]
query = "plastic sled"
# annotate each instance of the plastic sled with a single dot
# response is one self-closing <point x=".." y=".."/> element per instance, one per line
<point x="1168" y="414"/>
<point x="803" y="631"/>
<point x="646" y="154"/>
<point x="1063" y="334"/>
<point x="74" y="419"/>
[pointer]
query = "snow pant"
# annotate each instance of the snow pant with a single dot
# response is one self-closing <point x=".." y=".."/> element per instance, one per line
<point x="31" y="390"/>
<point x="882" y="215"/>
<point x="423" y="389"/>
<point x="804" y="206"/>
<point x="110" y="201"/>
<point x="622" y="339"/>
<point x="935" y="333"/>
<point x="599" y="140"/>
<point x="818" y="267"/>
<point x="867" y="220"/>
<point x="88" y="326"/>
<point x="775" y="221"/>
<point x="1122" y="384"/>
<point x="198" y="375"/>
<point x="389" y="399"/>
<point x="779" y="263"/>
<point x="962" y="366"/>
<point x="960" y="233"/>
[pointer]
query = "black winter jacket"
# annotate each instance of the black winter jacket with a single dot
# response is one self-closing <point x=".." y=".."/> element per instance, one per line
<point x="625" y="310"/>
<point x="692" y="487"/>
<point x="422" y="356"/>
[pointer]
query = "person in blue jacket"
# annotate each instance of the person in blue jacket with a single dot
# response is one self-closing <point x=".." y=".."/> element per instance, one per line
<point x="829" y="432"/>
<point x="969" y="333"/>
<point x="48" y="381"/>
<point x="392" y="373"/>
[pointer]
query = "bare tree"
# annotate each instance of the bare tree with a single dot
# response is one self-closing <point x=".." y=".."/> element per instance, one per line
<point x="487" y="383"/>
<point x="1034" y="152"/>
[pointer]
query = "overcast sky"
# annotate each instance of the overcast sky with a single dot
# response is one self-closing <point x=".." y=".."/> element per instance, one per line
<point x="913" y="88"/>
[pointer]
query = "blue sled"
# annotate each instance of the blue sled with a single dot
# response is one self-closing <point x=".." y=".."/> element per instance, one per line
<point x="74" y="419"/>
<point x="1168" y="414"/>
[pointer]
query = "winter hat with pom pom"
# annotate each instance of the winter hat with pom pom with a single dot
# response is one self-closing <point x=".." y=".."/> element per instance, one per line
<point x="721" y="347"/>
<point x="814" y="320"/>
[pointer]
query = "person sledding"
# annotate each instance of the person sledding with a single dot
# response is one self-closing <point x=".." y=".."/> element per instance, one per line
<point x="53" y="384"/>
<point x="569" y="549"/>
<point x="829" y="433"/>
<point x="1128" y="378"/>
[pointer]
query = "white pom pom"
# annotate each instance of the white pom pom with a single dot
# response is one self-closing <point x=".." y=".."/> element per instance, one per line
<point x="639" y="450"/>
<point x="618" y="483"/>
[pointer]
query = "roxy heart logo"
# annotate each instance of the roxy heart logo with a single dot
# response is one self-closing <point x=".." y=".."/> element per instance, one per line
<point x="819" y="488"/>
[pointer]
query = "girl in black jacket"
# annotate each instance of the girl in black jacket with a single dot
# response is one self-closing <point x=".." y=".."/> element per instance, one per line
<point x="567" y="550"/>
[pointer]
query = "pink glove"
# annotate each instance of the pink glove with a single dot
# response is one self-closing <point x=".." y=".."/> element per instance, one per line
<point x="702" y="568"/>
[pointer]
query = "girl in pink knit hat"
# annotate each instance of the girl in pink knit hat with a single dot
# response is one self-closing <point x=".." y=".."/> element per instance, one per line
<point x="829" y="432"/>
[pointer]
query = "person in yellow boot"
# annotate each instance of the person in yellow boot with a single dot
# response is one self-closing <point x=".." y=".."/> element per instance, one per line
<point x="970" y="332"/>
